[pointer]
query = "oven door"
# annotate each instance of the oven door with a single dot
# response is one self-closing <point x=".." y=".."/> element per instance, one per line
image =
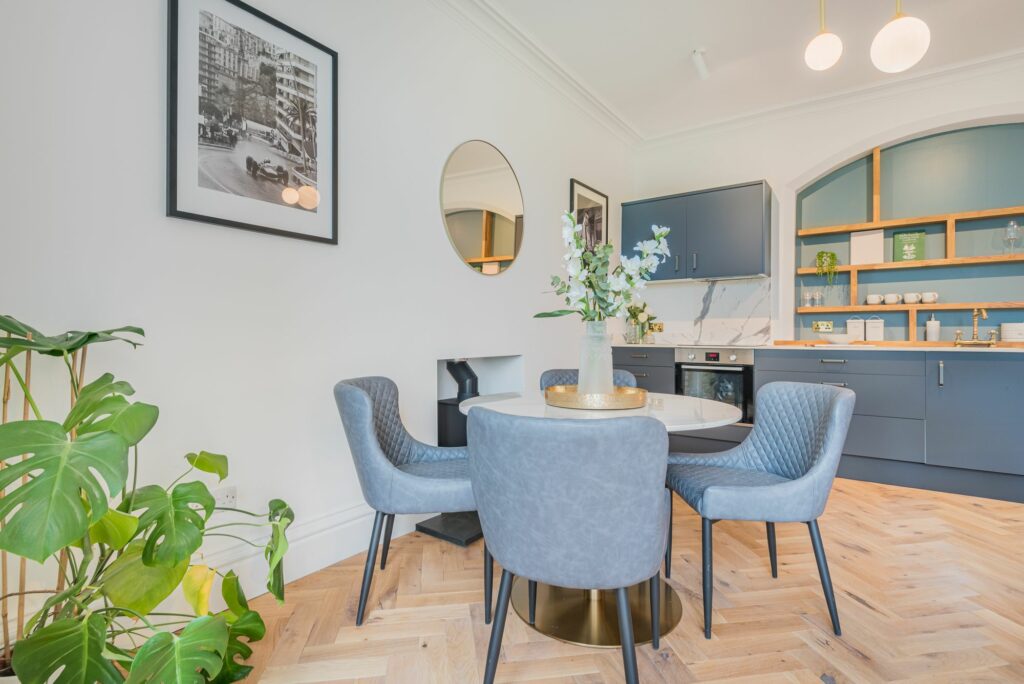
<point x="728" y="384"/>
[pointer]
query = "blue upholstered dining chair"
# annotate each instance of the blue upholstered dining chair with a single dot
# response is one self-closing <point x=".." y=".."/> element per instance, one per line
<point x="782" y="472"/>
<point x="397" y="473"/>
<point x="561" y="503"/>
<point x="571" y="376"/>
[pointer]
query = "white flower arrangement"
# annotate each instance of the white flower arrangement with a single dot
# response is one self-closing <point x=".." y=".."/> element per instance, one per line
<point x="591" y="287"/>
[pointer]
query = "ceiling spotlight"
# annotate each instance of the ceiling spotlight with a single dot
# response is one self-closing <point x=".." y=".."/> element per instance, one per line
<point x="826" y="48"/>
<point x="697" y="57"/>
<point x="901" y="43"/>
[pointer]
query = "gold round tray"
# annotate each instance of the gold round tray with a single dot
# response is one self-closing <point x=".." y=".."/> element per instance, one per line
<point x="566" y="396"/>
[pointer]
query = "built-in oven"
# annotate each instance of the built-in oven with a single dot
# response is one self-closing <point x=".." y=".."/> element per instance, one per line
<point x="721" y="374"/>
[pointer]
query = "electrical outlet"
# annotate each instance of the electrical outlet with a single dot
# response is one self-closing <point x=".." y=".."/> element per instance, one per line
<point x="821" y="326"/>
<point x="226" y="497"/>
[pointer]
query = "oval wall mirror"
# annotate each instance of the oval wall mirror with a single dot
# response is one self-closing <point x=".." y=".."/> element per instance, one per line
<point x="482" y="207"/>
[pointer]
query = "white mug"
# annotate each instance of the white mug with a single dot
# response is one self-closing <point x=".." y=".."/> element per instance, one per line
<point x="892" y="298"/>
<point x="874" y="299"/>
<point x="929" y="297"/>
<point x="911" y="297"/>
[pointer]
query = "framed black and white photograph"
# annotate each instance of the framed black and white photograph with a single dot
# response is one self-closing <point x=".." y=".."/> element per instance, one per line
<point x="590" y="208"/>
<point x="253" y="125"/>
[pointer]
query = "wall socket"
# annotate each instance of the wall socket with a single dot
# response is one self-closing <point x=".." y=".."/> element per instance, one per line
<point x="821" y="326"/>
<point x="226" y="497"/>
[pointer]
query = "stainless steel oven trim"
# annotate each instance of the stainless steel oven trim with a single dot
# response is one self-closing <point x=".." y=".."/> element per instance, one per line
<point x="712" y="367"/>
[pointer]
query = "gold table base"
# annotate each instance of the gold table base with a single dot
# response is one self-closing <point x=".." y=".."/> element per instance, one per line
<point x="589" y="617"/>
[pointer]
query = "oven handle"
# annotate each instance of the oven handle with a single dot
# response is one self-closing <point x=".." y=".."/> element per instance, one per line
<point x="736" y="369"/>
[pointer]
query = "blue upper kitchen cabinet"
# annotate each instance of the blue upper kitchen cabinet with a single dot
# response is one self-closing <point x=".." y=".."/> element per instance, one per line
<point x="637" y="219"/>
<point x="974" y="411"/>
<point x="728" y="232"/>
<point x="718" y="233"/>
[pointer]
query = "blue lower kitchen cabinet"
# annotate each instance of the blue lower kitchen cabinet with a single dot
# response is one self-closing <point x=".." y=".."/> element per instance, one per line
<point x="975" y="411"/>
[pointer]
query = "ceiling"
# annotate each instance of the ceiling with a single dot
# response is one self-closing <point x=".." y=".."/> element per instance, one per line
<point x="634" y="57"/>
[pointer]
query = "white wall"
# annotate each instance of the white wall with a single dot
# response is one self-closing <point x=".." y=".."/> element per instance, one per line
<point x="247" y="333"/>
<point x="793" y="146"/>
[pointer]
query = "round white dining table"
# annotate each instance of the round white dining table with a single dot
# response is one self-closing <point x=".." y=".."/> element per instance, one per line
<point x="589" y="617"/>
<point x="676" y="411"/>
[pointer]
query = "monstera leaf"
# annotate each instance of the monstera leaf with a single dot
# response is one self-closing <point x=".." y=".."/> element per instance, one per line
<point x="182" y="659"/>
<point x="73" y="647"/>
<point x="102" y="406"/>
<point x="249" y="625"/>
<point x="281" y="516"/>
<point x="177" y="526"/>
<point x="115" y="529"/>
<point x="47" y="512"/>
<point x="55" y="345"/>
<point x="209" y="463"/>
<point x="234" y="597"/>
<point x="130" y="583"/>
<point x="196" y="586"/>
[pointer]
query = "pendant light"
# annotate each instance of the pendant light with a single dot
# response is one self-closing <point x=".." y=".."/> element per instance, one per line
<point x="825" y="49"/>
<point x="901" y="43"/>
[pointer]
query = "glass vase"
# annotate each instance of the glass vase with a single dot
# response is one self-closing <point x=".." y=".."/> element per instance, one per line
<point x="596" y="360"/>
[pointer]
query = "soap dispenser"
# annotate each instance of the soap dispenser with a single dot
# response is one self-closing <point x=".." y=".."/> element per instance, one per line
<point x="931" y="329"/>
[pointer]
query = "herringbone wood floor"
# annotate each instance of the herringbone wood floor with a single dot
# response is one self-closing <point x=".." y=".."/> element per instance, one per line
<point x="930" y="588"/>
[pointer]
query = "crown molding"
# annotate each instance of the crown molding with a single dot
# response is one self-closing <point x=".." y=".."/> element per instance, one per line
<point x="482" y="17"/>
<point x="1012" y="60"/>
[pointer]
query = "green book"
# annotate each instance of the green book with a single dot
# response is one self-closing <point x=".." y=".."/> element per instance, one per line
<point x="908" y="245"/>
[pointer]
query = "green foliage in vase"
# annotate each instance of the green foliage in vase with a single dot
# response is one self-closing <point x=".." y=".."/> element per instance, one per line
<point x="124" y="548"/>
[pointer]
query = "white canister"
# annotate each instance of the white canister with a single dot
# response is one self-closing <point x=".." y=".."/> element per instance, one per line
<point x="874" y="329"/>
<point x="855" y="328"/>
<point x="1011" y="332"/>
<point x="932" y="330"/>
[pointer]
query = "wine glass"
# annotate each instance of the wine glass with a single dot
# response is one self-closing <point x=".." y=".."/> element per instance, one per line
<point x="1012" y="235"/>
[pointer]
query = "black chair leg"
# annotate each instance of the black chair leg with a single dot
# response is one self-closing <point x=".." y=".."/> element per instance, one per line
<point x="498" y="628"/>
<point x="488" y="581"/>
<point x="656" y="611"/>
<point x="826" y="579"/>
<point x="668" y="546"/>
<point x="626" y="636"/>
<point x="705" y="542"/>
<point x="387" y="540"/>
<point x="533" y="602"/>
<point x="770" y="526"/>
<point x="371" y="560"/>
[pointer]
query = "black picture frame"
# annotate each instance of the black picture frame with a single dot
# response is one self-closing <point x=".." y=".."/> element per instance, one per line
<point x="575" y="187"/>
<point x="173" y="74"/>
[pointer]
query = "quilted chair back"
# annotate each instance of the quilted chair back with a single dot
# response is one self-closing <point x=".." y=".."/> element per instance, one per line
<point x="574" y="503"/>
<point x="571" y="376"/>
<point x="799" y="426"/>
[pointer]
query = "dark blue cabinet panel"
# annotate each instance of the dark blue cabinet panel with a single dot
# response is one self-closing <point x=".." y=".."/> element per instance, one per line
<point x="727" y="232"/>
<point x="637" y="219"/>
<point x="974" y="411"/>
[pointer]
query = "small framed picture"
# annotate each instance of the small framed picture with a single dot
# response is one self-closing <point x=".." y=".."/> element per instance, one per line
<point x="908" y="245"/>
<point x="590" y="208"/>
<point x="252" y="122"/>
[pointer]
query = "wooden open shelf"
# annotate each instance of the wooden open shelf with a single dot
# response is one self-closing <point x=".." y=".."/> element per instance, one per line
<point x="821" y="344"/>
<point x="882" y="308"/>
<point x="922" y="263"/>
<point x="913" y="221"/>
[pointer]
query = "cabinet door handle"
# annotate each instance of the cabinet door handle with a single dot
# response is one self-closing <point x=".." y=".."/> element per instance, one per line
<point x="694" y="261"/>
<point x="836" y="384"/>
<point x="677" y="262"/>
<point x="942" y="373"/>
<point x="638" y="356"/>
<point x="639" y="375"/>
<point x="832" y="360"/>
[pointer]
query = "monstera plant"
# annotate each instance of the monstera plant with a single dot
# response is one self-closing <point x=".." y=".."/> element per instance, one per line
<point x="120" y="549"/>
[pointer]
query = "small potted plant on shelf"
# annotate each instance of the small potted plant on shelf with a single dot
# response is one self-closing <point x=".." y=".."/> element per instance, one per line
<point x="825" y="263"/>
<point x="119" y="549"/>
<point x="638" y="323"/>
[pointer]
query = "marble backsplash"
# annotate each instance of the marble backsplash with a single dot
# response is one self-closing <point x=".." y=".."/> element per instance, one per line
<point x="716" y="312"/>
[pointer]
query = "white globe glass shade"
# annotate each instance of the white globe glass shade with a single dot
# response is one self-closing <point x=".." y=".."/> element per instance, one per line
<point x="290" y="195"/>
<point x="309" y="198"/>
<point x="823" y="51"/>
<point x="900" y="44"/>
